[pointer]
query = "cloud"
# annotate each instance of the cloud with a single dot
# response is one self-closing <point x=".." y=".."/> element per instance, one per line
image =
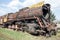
<point x="15" y="5"/>
<point x="12" y="6"/>
<point x="54" y="3"/>
<point x="2" y="12"/>
<point x="30" y="2"/>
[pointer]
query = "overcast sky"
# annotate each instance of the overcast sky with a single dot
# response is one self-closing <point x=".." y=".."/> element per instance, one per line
<point x="7" y="6"/>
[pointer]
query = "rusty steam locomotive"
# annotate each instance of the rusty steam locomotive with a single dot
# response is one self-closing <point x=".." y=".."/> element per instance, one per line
<point x="32" y="20"/>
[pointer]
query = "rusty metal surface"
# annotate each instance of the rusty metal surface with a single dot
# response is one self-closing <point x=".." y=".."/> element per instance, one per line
<point x="12" y="16"/>
<point x="30" y="12"/>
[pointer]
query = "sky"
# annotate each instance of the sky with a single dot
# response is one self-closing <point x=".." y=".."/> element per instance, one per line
<point x="8" y="6"/>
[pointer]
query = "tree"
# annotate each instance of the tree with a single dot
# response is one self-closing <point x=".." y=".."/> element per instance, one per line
<point x="52" y="16"/>
<point x="59" y="22"/>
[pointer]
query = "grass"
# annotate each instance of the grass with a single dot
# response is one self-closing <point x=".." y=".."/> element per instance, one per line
<point x="6" y="34"/>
